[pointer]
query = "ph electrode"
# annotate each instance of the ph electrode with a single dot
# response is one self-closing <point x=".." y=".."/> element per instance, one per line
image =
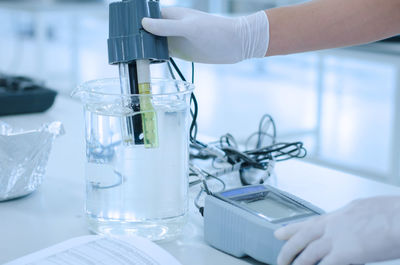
<point x="134" y="49"/>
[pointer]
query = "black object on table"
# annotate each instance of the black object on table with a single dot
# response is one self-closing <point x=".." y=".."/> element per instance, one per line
<point x="392" y="39"/>
<point x="21" y="95"/>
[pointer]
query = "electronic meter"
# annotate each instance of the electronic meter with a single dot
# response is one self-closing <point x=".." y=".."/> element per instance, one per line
<point x="242" y="221"/>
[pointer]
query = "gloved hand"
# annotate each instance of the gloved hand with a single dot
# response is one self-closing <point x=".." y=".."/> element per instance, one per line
<point x="366" y="230"/>
<point x="205" y="38"/>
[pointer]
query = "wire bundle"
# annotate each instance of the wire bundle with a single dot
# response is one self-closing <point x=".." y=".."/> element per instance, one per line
<point x="262" y="157"/>
<point x="265" y="151"/>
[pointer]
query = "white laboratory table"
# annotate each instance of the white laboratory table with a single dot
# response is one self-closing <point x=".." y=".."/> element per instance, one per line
<point x="54" y="212"/>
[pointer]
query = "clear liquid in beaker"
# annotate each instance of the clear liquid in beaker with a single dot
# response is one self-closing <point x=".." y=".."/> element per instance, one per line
<point x="131" y="189"/>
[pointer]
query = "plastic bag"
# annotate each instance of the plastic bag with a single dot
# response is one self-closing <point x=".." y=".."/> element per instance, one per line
<point x="23" y="158"/>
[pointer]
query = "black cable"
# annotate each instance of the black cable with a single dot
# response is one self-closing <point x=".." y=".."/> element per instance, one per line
<point x="235" y="156"/>
<point x="193" y="99"/>
<point x="194" y="113"/>
<point x="228" y="139"/>
<point x="279" y="151"/>
<point x="192" y="72"/>
<point x="171" y="72"/>
<point x="178" y="71"/>
<point x="260" y="157"/>
<point x="193" y="125"/>
<point x="261" y="135"/>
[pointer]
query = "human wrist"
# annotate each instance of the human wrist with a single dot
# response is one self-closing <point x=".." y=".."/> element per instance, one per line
<point x="254" y="33"/>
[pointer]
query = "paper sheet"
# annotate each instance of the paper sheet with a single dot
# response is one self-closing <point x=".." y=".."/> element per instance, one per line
<point x="93" y="250"/>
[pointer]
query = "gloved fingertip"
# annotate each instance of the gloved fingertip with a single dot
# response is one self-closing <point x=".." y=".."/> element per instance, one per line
<point x="280" y="233"/>
<point x="160" y="27"/>
<point x="146" y="22"/>
<point x="279" y="260"/>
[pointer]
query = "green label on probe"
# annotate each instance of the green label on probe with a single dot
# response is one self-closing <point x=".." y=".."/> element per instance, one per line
<point x="149" y="117"/>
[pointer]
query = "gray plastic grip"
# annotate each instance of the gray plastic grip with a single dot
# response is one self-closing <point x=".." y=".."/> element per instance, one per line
<point x="128" y="41"/>
<point x="231" y="230"/>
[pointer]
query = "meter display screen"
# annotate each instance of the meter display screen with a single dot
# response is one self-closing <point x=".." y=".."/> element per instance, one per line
<point x="275" y="207"/>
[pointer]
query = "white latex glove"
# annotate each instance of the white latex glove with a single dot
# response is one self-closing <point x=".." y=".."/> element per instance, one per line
<point x="366" y="230"/>
<point x="205" y="38"/>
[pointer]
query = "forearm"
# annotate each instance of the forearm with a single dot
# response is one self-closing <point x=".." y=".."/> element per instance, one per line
<point x="323" y="24"/>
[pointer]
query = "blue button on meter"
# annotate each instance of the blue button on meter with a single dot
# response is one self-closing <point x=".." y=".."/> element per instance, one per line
<point x="242" y="221"/>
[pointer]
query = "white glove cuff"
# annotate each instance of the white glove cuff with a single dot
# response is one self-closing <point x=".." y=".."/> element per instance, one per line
<point x="254" y="33"/>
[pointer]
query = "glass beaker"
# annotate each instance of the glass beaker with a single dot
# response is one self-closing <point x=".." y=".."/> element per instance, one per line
<point x="131" y="188"/>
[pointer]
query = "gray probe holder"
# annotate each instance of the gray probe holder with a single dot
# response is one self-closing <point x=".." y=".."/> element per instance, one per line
<point x="128" y="41"/>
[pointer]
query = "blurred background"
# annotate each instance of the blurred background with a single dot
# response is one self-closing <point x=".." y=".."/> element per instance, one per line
<point x="343" y="103"/>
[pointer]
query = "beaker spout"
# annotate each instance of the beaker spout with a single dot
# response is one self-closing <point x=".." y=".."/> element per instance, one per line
<point x="80" y="92"/>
